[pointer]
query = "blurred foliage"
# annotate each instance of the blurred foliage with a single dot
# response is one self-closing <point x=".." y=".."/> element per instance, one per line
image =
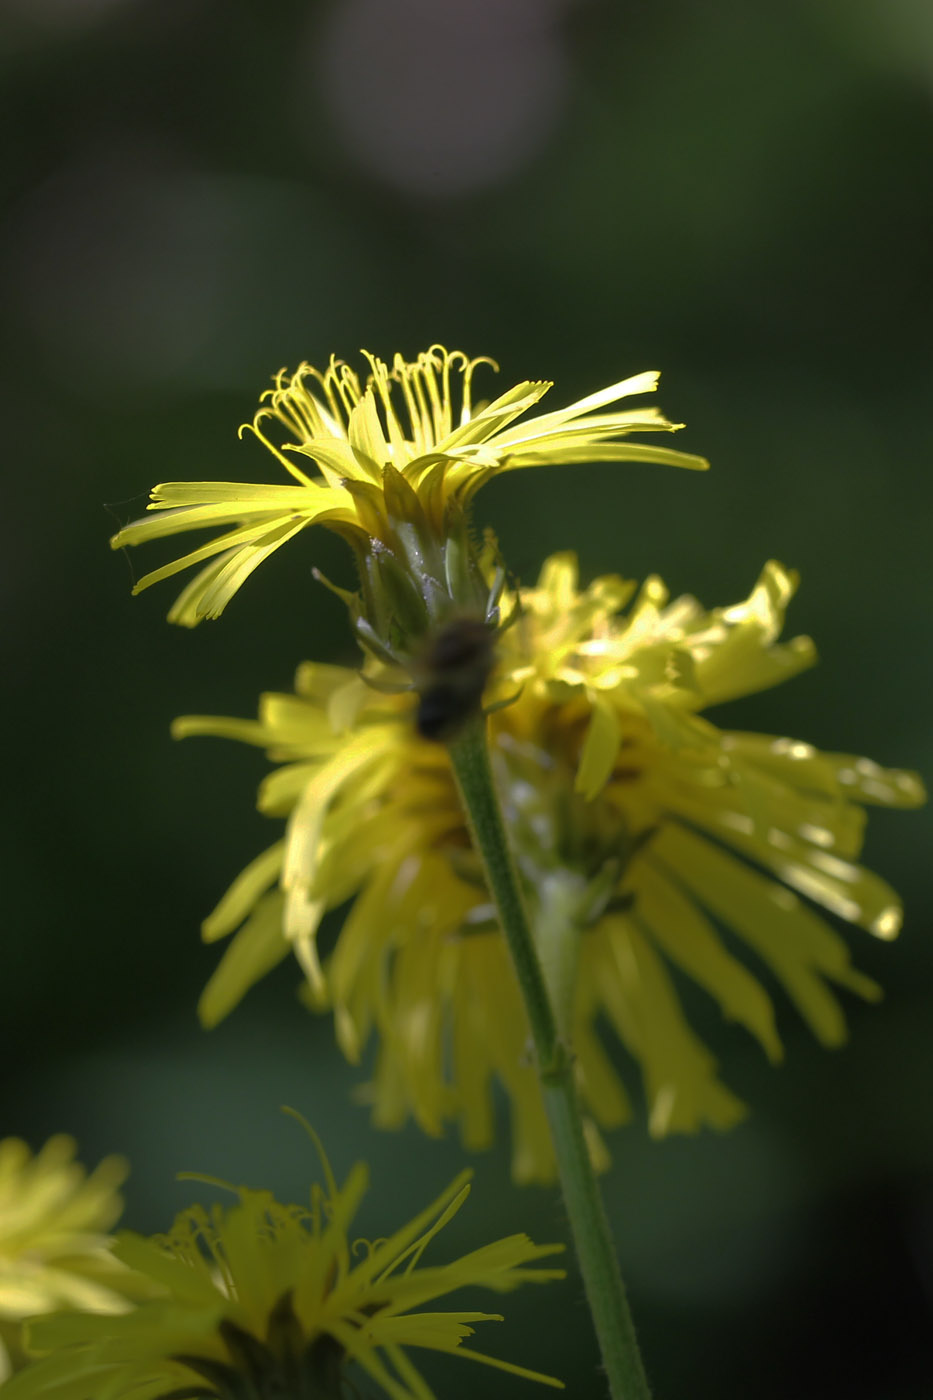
<point x="736" y="194"/>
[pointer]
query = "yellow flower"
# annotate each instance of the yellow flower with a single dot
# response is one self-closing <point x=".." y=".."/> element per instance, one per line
<point x="392" y="465"/>
<point x="260" y="1298"/>
<point x="54" y="1250"/>
<point x="641" y="831"/>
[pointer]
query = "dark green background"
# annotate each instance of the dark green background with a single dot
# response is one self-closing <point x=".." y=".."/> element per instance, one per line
<point x="737" y="193"/>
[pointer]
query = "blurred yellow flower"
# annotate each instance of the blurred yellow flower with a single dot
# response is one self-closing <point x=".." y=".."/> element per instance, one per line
<point x="393" y="461"/>
<point x="260" y="1298"/>
<point x="54" y="1250"/>
<point x="641" y="831"/>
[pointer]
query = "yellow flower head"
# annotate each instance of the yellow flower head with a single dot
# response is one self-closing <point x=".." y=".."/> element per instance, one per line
<point x="54" y="1250"/>
<point x="641" y="831"/>
<point x="259" y="1298"/>
<point x="392" y="465"/>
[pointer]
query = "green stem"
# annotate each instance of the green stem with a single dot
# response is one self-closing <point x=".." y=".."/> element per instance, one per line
<point x="602" y="1280"/>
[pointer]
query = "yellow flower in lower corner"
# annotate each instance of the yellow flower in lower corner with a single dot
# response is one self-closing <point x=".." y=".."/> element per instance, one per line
<point x="642" y="833"/>
<point x="260" y="1298"/>
<point x="54" y="1249"/>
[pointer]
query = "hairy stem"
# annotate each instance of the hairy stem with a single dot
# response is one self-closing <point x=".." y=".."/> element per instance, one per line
<point x="602" y="1280"/>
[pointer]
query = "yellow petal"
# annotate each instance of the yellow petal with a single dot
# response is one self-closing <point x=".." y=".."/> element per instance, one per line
<point x="679" y="927"/>
<point x="680" y="1074"/>
<point x="600" y="748"/>
<point x="793" y="941"/>
<point x="243" y="894"/>
<point x="257" y="948"/>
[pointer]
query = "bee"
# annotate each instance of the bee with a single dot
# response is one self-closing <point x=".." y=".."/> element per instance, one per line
<point x="451" y="675"/>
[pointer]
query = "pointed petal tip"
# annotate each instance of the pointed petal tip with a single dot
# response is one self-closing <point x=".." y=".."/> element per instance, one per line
<point x="586" y="788"/>
<point x="208" y="1015"/>
<point x="211" y="930"/>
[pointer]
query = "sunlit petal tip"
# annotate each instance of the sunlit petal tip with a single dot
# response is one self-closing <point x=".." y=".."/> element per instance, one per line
<point x="887" y="925"/>
<point x="911" y="791"/>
